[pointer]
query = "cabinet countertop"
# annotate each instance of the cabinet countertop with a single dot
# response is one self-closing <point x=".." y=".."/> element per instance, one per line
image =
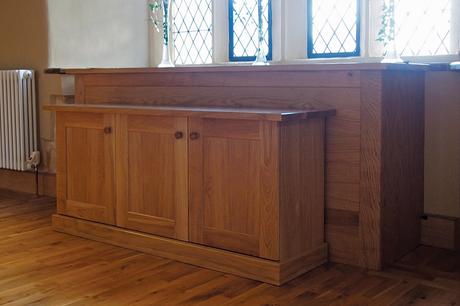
<point x="196" y="111"/>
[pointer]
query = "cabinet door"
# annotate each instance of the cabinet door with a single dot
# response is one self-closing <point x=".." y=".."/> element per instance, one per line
<point x="85" y="166"/>
<point x="152" y="175"/>
<point x="234" y="185"/>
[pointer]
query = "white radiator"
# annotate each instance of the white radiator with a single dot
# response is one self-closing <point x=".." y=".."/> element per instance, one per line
<point x="18" y="119"/>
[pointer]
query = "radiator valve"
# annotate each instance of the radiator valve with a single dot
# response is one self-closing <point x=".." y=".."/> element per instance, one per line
<point x="34" y="160"/>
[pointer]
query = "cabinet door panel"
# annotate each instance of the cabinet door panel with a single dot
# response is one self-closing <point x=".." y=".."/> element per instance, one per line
<point x="231" y="176"/>
<point x="152" y="160"/>
<point x="86" y="166"/>
<point x="233" y="183"/>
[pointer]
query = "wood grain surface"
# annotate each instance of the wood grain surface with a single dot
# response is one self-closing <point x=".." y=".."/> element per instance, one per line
<point x="358" y="138"/>
<point x="86" y="166"/>
<point x="152" y="175"/>
<point x="42" y="267"/>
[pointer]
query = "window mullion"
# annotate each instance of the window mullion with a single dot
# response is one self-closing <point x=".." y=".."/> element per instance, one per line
<point x="365" y="28"/>
<point x="220" y="34"/>
<point x="375" y="48"/>
<point x="455" y="27"/>
<point x="294" y="31"/>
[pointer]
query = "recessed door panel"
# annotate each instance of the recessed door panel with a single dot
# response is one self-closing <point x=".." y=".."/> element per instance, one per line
<point x="152" y="158"/>
<point x="86" y="166"/>
<point x="233" y="181"/>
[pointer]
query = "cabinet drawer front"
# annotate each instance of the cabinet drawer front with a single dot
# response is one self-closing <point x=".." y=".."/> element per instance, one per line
<point x="233" y="182"/>
<point x="85" y="166"/>
<point x="152" y="175"/>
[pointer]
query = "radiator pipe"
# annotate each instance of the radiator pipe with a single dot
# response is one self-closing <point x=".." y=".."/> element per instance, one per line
<point x="36" y="181"/>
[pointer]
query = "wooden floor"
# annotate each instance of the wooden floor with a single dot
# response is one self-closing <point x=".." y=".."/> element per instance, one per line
<point x="42" y="267"/>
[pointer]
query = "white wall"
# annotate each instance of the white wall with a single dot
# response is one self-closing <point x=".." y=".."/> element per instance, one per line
<point x="24" y="44"/>
<point x="98" y="33"/>
<point x="442" y="144"/>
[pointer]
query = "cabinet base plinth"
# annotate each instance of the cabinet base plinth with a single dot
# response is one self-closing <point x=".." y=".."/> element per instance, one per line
<point x="267" y="271"/>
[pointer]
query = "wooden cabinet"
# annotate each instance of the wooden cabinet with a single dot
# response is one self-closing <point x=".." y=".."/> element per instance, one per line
<point x="152" y="175"/>
<point x="86" y="166"/>
<point x="375" y="142"/>
<point x="233" y="185"/>
<point x="240" y="191"/>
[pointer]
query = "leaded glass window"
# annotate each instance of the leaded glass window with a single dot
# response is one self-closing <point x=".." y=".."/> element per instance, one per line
<point x="243" y="26"/>
<point x="423" y="27"/>
<point x="192" y="31"/>
<point x="333" y="28"/>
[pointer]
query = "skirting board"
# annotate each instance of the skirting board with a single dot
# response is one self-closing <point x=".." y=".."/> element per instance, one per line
<point x="25" y="182"/>
<point x="271" y="272"/>
<point x="442" y="232"/>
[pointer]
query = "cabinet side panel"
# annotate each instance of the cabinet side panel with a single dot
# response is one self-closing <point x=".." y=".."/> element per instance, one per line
<point x="403" y="162"/>
<point x="269" y="181"/>
<point x="302" y="170"/>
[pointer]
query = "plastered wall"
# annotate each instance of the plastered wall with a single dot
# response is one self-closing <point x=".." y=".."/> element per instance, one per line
<point x="442" y="144"/>
<point x="24" y="44"/>
<point x="98" y="33"/>
<point x="38" y="34"/>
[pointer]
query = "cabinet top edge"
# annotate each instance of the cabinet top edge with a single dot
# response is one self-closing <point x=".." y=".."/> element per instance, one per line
<point x="195" y="111"/>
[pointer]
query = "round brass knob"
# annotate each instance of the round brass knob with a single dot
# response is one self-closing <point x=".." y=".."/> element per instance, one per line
<point x="179" y="135"/>
<point x="108" y="130"/>
<point x="194" y="135"/>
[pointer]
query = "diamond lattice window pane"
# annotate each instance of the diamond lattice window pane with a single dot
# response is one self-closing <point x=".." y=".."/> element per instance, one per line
<point x="423" y="27"/>
<point x="244" y="37"/>
<point x="333" y="28"/>
<point x="192" y="31"/>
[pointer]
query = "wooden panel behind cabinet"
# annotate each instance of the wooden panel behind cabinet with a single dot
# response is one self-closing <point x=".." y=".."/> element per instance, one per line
<point x="403" y="139"/>
<point x="370" y="218"/>
<point x="152" y="175"/>
<point x="233" y="182"/>
<point x="85" y="166"/>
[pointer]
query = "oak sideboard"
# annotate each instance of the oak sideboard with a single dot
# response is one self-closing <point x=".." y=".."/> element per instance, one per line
<point x="236" y="190"/>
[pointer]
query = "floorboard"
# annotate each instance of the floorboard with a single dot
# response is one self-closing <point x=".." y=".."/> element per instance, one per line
<point x="41" y="267"/>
